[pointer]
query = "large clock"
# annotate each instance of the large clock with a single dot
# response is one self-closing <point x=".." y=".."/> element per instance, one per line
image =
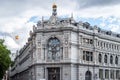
<point x="53" y="48"/>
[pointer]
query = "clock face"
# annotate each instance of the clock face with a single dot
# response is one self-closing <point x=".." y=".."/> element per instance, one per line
<point x="53" y="48"/>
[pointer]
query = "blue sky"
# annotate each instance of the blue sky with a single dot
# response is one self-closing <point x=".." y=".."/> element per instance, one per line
<point x="18" y="16"/>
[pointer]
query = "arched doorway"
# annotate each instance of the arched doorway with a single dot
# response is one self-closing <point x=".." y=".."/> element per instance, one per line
<point x="88" y="75"/>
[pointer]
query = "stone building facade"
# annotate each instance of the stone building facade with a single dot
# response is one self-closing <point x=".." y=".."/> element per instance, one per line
<point x="63" y="49"/>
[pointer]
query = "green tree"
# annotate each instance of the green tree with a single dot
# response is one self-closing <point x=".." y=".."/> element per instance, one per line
<point x="4" y="58"/>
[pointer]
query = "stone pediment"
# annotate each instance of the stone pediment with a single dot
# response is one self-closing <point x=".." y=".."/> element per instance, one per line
<point x="55" y="22"/>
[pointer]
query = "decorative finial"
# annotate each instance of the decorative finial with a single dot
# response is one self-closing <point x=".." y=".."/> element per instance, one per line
<point x="54" y="6"/>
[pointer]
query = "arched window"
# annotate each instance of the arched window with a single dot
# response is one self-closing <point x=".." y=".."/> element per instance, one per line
<point x="116" y="60"/>
<point x="88" y="75"/>
<point x="100" y="58"/>
<point x="53" y="49"/>
<point x="105" y="58"/>
<point x="111" y="59"/>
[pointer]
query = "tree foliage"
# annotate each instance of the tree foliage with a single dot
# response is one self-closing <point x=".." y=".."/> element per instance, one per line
<point x="4" y="58"/>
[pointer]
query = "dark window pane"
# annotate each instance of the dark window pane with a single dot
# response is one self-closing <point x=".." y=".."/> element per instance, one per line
<point x="105" y="58"/>
<point x="100" y="58"/>
<point x="116" y="60"/>
<point x="111" y="59"/>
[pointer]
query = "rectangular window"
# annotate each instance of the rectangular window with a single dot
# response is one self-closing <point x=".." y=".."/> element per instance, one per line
<point x="83" y="55"/>
<point x="101" y="73"/>
<point x="112" y="74"/>
<point x="87" y="41"/>
<point x="106" y="74"/>
<point x="117" y="74"/>
<point x="87" y="55"/>
<point x="91" y="56"/>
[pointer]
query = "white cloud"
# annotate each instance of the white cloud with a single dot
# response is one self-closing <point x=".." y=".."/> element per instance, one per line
<point x="99" y="11"/>
<point x="114" y="28"/>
